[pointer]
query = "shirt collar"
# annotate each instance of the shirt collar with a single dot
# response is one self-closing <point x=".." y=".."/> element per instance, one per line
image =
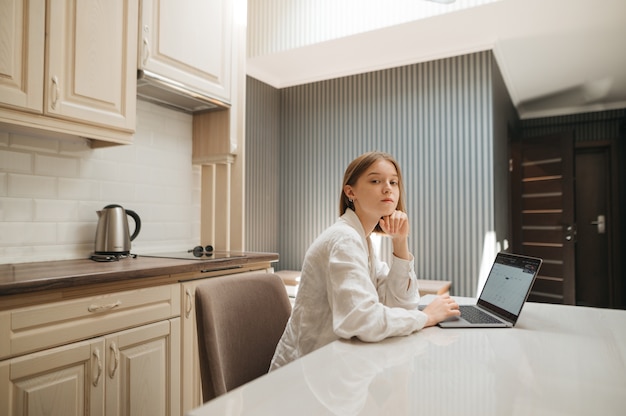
<point x="353" y="220"/>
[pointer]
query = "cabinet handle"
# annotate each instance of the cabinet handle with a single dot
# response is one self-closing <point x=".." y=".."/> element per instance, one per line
<point x="100" y="308"/>
<point x="96" y="355"/>
<point x="55" y="92"/>
<point x="189" y="303"/>
<point x="116" y="359"/>
<point x="146" y="51"/>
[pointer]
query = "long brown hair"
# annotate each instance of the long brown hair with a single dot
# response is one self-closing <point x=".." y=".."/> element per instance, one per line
<point x="356" y="169"/>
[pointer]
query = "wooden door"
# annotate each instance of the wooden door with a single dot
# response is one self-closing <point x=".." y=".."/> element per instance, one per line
<point x="63" y="381"/>
<point x="92" y="74"/>
<point x="542" y="209"/>
<point x="22" y="54"/>
<point x="594" y="227"/>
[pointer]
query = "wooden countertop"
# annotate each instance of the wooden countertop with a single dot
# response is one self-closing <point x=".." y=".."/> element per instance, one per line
<point x="39" y="276"/>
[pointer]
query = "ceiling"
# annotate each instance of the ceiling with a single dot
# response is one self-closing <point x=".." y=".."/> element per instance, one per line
<point x="556" y="56"/>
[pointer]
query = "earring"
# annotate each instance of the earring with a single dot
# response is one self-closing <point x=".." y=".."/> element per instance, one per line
<point x="350" y="200"/>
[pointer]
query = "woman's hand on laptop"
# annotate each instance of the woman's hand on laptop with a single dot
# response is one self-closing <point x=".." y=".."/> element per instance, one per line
<point x="440" y="309"/>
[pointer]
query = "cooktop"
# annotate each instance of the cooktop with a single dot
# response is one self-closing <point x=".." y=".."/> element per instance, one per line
<point x="215" y="255"/>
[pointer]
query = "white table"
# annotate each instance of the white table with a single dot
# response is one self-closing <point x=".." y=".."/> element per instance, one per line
<point x="557" y="360"/>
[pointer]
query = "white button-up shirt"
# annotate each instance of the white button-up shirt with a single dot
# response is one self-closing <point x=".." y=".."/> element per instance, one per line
<point x="345" y="292"/>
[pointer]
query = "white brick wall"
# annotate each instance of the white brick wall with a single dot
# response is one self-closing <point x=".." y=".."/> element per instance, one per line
<point x="51" y="189"/>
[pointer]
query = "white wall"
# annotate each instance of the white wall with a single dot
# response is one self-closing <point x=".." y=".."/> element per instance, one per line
<point x="276" y="26"/>
<point x="51" y="189"/>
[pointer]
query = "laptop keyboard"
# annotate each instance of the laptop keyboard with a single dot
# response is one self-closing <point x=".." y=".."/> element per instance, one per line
<point x="476" y="316"/>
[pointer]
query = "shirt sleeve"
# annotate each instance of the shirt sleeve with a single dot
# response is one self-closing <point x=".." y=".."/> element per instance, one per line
<point x="397" y="286"/>
<point x="357" y="310"/>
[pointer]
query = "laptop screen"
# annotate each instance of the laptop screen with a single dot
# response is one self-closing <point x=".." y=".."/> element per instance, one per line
<point x="509" y="283"/>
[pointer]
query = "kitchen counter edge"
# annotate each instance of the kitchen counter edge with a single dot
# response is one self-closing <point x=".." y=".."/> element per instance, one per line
<point x="20" y="278"/>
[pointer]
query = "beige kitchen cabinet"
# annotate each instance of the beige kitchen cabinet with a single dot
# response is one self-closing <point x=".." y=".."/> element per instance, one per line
<point x="142" y="370"/>
<point x="22" y="58"/>
<point x="68" y="380"/>
<point x="132" y="372"/>
<point x="81" y="81"/>
<point x="189" y="43"/>
<point x="38" y="327"/>
<point x="126" y="346"/>
<point x="191" y="385"/>
<point x="125" y="358"/>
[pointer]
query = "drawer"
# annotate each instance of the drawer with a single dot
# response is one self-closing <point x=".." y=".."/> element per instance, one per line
<point x="39" y="327"/>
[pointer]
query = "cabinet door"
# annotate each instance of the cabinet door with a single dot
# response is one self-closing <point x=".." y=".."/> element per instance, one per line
<point x="64" y="381"/>
<point x="191" y="387"/>
<point x="22" y="53"/>
<point x="91" y="74"/>
<point x="143" y="370"/>
<point x="196" y="53"/>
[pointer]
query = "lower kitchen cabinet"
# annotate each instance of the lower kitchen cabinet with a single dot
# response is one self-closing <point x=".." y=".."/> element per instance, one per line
<point x="102" y="351"/>
<point x="128" y="373"/>
<point x="66" y="381"/>
<point x="142" y="370"/>
<point x="125" y="348"/>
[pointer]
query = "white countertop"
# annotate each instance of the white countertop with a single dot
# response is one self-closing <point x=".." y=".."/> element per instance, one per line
<point x="557" y="360"/>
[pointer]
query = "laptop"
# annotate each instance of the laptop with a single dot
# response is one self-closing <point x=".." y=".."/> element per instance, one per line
<point x="503" y="296"/>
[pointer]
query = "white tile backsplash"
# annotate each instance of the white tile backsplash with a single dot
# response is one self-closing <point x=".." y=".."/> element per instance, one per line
<point x="51" y="189"/>
<point x="75" y="147"/>
<point x="116" y="191"/>
<point x="59" y="166"/>
<point x="19" y="237"/>
<point x="33" y="186"/>
<point x="33" y="143"/>
<point x="55" y="210"/>
<point x="17" y="209"/>
<point x="104" y="170"/>
<point x="78" y="189"/>
<point x="16" y="161"/>
<point x="76" y="232"/>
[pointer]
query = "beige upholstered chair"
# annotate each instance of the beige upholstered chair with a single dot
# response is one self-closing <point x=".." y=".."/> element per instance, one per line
<point x="240" y="319"/>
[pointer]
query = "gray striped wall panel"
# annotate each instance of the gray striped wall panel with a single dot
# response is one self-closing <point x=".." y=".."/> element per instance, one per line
<point x="262" y="176"/>
<point x="435" y="118"/>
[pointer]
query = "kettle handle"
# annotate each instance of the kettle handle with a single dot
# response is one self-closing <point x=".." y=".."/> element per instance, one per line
<point x="137" y="223"/>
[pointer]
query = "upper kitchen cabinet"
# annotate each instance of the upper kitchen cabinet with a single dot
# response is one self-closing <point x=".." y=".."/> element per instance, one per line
<point x="80" y="80"/>
<point x="186" y="46"/>
<point x="90" y="56"/>
<point x="22" y="53"/>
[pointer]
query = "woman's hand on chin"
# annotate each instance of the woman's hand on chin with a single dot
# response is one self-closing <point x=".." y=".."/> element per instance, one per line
<point x="395" y="225"/>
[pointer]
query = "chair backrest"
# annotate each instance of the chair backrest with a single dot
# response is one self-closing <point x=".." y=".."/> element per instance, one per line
<point x="240" y="319"/>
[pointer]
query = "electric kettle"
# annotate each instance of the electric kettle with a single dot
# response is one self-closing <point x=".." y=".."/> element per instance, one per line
<point x="112" y="234"/>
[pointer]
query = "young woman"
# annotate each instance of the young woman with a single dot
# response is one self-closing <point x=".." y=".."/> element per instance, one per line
<point x="345" y="291"/>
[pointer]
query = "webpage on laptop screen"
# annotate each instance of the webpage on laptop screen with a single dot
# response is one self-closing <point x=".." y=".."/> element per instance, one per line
<point x="507" y="286"/>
